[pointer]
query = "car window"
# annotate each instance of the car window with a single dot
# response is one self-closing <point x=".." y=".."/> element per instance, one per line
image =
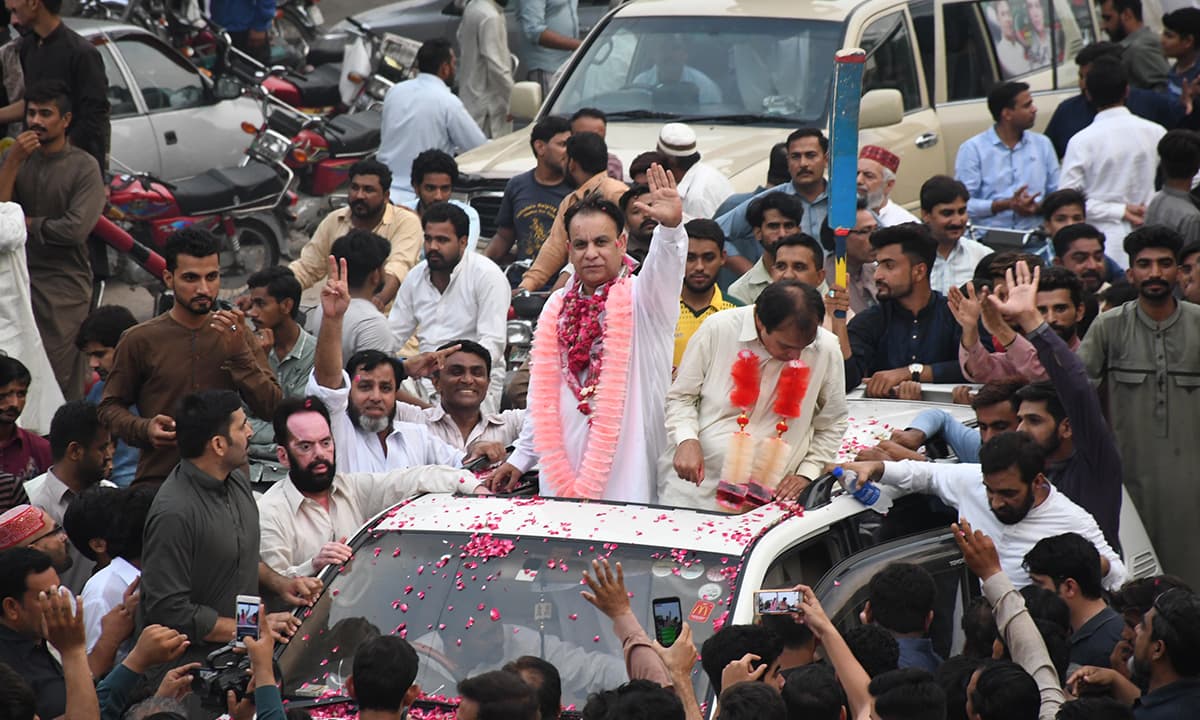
<point x="166" y="82"/>
<point x="890" y="59"/>
<point x="711" y="68"/>
<point x="970" y="67"/>
<point x="844" y="589"/>
<point x="119" y="96"/>
<point x="1027" y="36"/>
<point x="922" y="17"/>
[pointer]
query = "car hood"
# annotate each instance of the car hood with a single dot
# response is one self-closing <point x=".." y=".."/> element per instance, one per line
<point x="739" y="152"/>
<point x="383" y="17"/>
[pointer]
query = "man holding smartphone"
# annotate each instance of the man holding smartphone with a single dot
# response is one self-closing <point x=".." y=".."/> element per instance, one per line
<point x="198" y="344"/>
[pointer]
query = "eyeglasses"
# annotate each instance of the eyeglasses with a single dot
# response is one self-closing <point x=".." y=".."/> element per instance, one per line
<point x="56" y="530"/>
<point x="864" y="231"/>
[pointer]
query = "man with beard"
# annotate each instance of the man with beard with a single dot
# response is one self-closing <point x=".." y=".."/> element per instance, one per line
<point x="772" y="217"/>
<point x="860" y="256"/>
<point x="877" y="168"/>
<point x="911" y="334"/>
<point x="60" y="189"/>
<point x="1015" y="503"/>
<point x="1147" y="354"/>
<point x="424" y="113"/>
<point x="944" y="212"/>
<point x="1141" y="47"/>
<point x="1063" y="415"/>
<point x="700" y="297"/>
<point x="1080" y="249"/>
<point x="194" y="345"/>
<point x="362" y="397"/>
<point x="1166" y="652"/>
<point x="808" y="157"/>
<point x="370" y="210"/>
<point x="364" y="327"/>
<point x="454" y="293"/>
<point x="639" y="227"/>
<point x="1008" y="168"/>
<point x="1059" y="302"/>
<point x="1189" y="273"/>
<point x="531" y="199"/>
<point x="587" y="170"/>
<point x="82" y="452"/>
<point x="97" y="340"/>
<point x="306" y="518"/>
<point x="23" y="454"/>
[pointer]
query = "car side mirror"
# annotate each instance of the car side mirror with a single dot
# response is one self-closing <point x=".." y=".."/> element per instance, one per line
<point x="880" y="108"/>
<point x="525" y="101"/>
<point x="454" y="8"/>
<point x="227" y="88"/>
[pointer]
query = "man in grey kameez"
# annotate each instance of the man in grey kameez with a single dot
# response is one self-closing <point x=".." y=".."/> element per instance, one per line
<point x="1147" y="354"/>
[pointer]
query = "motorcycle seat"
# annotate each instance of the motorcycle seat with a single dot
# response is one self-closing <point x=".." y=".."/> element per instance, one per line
<point x="319" y="88"/>
<point x="222" y="188"/>
<point x="355" y="133"/>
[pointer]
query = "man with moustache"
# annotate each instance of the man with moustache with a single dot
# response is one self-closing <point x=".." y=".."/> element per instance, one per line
<point x="370" y="210"/>
<point x="700" y="297"/>
<point x="1189" y="272"/>
<point x="306" y="518"/>
<point x="23" y="454"/>
<point x="639" y="227"/>
<point x="1014" y="501"/>
<point x="1080" y="249"/>
<point x="97" y="340"/>
<point x="531" y="199"/>
<point x="772" y="216"/>
<point x="193" y="345"/>
<point x="454" y="293"/>
<point x="944" y="212"/>
<point x="877" y="168"/>
<point x="60" y="189"/>
<point x="1147" y="354"/>
<point x="1141" y="48"/>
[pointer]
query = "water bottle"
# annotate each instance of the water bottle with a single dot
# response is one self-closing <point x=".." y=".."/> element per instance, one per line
<point x="867" y="493"/>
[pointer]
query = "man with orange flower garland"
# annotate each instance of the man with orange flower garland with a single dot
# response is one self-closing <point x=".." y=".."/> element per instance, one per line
<point x="601" y="359"/>
<point x="758" y="407"/>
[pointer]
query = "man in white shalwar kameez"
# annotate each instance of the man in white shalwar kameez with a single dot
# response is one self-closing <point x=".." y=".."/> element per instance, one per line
<point x="19" y="336"/>
<point x="601" y="359"/>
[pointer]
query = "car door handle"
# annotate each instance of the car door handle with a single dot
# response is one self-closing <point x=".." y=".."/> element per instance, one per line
<point x="926" y="140"/>
<point x="171" y="139"/>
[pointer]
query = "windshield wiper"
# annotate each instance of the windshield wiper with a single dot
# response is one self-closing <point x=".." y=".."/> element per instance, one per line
<point x="642" y="115"/>
<point x="742" y="118"/>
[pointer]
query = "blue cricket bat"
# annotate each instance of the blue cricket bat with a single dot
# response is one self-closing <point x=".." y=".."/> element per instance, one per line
<point x="843" y="140"/>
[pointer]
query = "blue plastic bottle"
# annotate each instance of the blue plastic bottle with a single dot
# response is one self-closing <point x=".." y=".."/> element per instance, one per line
<point x="867" y="493"/>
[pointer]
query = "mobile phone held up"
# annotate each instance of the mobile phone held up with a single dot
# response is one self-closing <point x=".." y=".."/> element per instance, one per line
<point x="221" y="304"/>
<point x="778" y="602"/>
<point x="246" y="617"/>
<point x="668" y="620"/>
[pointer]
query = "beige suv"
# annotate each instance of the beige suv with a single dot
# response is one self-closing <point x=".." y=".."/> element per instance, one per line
<point x="751" y="71"/>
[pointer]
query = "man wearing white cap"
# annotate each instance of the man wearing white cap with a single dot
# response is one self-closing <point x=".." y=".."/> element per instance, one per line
<point x="702" y="186"/>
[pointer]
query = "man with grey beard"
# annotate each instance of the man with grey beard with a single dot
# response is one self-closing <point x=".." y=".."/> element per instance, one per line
<point x="877" y="168"/>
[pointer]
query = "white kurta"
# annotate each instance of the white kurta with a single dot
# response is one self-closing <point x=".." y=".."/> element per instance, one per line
<point x="655" y="299"/>
<point x="1112" y="180"/>
<point x="703" y="189"/>
<point x="698" y="406"/>
<point x="19" y="337"/>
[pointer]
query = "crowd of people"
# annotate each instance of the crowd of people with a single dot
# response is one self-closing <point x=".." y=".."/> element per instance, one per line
<point x="696" y="350"/>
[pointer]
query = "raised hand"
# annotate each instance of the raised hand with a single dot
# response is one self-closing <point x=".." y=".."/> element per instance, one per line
<point x="426" y="363"/>
<point x="1021" y="304"/>
<point x="177" y="683"/>
<point x="977" y="549"/>
<point x="965" y="308"/>
<point x="663" y="202"/>
<point x="62" y="617"/>
<point x="156" y="645"/>
<point x="608" y="592"/>
<point x="335" y="296"/>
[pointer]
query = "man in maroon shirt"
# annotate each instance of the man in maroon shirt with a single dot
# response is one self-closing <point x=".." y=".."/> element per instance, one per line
<point x="23" y="455"/>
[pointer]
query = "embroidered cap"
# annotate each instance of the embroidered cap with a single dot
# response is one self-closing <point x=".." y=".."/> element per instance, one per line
<point x="20" y="523"/>
<point x="883" y="156"/>
<point x="677" y="140"/>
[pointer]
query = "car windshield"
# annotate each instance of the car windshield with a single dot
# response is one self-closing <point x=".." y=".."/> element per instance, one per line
<point x="471" y="603"/>
<point x="706" y="68"/>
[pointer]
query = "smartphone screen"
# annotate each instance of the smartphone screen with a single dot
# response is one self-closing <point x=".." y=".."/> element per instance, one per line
<point x="246" y="616"/>
<point x="668" y="620"/>
<point x="777" y="602"/>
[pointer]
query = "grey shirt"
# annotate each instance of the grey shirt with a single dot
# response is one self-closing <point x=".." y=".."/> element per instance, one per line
<point x="1175" y="209"/>
<point x="363" y="328"/>
<point x="201" y="552"/>
<point x="1143" y="58"/>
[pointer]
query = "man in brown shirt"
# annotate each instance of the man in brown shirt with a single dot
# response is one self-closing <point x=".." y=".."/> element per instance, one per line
<point x="587" y="168"/>
<point x="60" y="189"/>
<point x="193" y="347"/>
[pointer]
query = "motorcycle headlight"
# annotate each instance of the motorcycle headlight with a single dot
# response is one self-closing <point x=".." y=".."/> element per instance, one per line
<point x="271" y="146"/>
<point x="377" y="87"/>
<point x="519" y="333"/>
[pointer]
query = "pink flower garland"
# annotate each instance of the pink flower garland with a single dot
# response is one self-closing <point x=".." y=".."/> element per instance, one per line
<point x="609" y="407"/>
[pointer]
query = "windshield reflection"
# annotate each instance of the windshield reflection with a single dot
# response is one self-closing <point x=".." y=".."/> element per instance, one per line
<point x="739" y="69"/>
<point x="470" y="603"/>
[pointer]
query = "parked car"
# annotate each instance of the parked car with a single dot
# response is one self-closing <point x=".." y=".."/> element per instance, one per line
<point x="168" y="118"/>
<point x="758" y="69"/>
<point x="424" y="20"/>
<point x="473" y="582"/>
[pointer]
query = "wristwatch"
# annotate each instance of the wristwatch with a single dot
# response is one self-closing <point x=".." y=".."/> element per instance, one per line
<point x="916" y="369"/>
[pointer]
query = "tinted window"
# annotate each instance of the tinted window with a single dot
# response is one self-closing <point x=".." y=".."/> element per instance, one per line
<point x="890" y="59"/>
<point x="970" y="69"/>
<point x="1028" y="34"/>
<point x="166" y="82"/>
<point x="119" y="95"/>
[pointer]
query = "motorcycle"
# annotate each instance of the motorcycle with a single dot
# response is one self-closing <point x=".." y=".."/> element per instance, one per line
<point x="382" y="61"/>
<point x="314" y="93"/>
<point x="296" y="25"/>
<point x="247" y="206"/>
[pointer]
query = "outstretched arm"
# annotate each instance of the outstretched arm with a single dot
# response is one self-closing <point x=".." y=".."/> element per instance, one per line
<point x="335" y="300"/>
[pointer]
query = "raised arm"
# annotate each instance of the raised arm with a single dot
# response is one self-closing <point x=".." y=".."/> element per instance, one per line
<point x="335" y="300"/>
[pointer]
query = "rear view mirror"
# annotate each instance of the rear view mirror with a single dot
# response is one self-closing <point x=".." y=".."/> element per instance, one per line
<point x="227" y="88"/>
<point x="880" y="108"/>
<point x="525" y="100"/>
